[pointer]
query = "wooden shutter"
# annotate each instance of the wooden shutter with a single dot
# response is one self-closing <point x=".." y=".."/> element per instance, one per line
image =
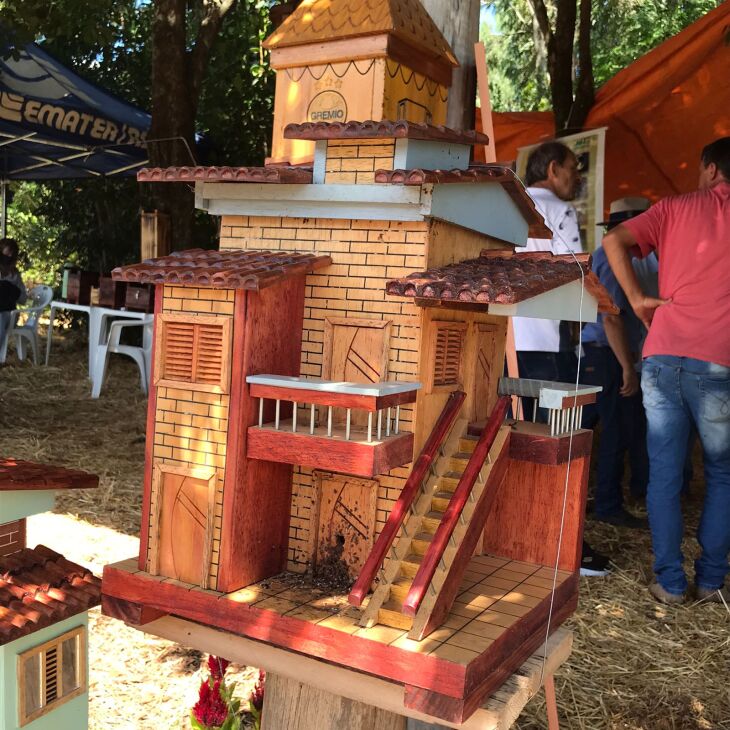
<point x="449" y="346"/>
<point x="194" y="350"/>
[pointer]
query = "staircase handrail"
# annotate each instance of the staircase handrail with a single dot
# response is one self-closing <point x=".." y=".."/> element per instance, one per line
<point x="398" y="514"/>
<point x="458" y="501"/>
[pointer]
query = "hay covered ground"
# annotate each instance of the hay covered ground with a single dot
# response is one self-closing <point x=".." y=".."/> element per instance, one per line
<point x="636" y="665"/>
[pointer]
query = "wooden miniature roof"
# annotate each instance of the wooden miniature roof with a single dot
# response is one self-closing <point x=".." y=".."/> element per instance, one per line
<point x="318" y="21"/>
<point x="252" y="270"/>
<point x="268" y="174"/>
<point x="475" y="174"/>
<point x="501" y="277"/>
<point x="40" y="587"/>
<point x="385" y="129"/>
<point x="17" y="475"/>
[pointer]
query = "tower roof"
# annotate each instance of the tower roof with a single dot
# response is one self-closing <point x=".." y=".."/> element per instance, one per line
<point x="315" y="21"/>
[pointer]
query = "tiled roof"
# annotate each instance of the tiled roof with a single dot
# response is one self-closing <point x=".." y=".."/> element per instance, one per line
<point x="40" y="587"/>
<point x="251" y="270"/>
<point x="385" y="129"/>
<point x="317" y="21"/>
<point x="475" y="174"/>
<point x="500" y="277"/>
<point x="268" y="174"/>
<point x="25" y="475"/>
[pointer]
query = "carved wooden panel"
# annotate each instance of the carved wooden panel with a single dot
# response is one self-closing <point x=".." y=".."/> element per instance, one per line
<point x="194" y="350"/>
<point x="486" y="371"/>
<point x="182" y="531"/>
<point x="355" y="351"/>
<point x="343" y="520"/>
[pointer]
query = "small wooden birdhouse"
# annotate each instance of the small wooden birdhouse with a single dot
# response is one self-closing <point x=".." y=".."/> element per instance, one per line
<point x="342" y="60"/>
<point x="44" y="600"/>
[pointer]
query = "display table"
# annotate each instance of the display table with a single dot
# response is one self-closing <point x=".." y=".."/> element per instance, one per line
<point x="332" y="692"/>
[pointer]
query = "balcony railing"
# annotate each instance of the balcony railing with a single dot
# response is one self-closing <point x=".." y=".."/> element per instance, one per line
<point x="315" y="423"/>
<point x="564" y="401"/>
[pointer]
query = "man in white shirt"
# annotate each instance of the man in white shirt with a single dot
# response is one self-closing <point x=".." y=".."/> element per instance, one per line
<point x="544" y="347"/>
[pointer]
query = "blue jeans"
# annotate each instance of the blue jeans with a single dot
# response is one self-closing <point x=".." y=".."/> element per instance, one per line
<point x="680" y="392"/>
<point x="623" y="431"/>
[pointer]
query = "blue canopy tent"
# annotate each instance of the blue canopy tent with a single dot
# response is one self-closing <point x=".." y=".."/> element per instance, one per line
<point x="56" y="125"/>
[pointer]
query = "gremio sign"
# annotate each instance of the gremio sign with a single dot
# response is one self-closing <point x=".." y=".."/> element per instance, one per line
<point x="327" y="106"/>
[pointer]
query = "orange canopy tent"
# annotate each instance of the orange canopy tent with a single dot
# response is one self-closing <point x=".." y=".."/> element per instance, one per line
<point x="660" y="112"/>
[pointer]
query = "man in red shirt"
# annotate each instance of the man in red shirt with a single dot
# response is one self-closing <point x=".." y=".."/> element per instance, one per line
<point x="686" y="372"/>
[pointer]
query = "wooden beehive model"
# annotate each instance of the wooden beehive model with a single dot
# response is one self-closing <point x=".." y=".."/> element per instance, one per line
<point x="327" y="400"/>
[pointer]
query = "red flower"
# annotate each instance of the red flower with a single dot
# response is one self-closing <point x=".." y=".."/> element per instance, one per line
<point x="217" y="666"/>
<point x="210" y="709"/>
<point x="257" y="694"/>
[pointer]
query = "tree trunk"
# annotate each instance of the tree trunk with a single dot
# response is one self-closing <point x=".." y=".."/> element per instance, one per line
<point x="291" y="705"/>
<point x="458" y="20"/>
<point x="172" y="132"/>
<point x="585" y="86"/>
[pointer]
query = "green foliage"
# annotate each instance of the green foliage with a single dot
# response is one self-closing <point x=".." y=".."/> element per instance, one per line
<point x="622" y="31"/>
<point x="95" y="222"/>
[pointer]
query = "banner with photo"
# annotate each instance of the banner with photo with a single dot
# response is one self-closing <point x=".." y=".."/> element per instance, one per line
<point x="589" y="148"/>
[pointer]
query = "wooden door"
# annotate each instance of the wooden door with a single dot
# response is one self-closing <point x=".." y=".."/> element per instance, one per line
<point x="486" y="371"/>
<point x="355" y="351"/>
<point x="345" y="521"/>
<point x="184" y="525"/>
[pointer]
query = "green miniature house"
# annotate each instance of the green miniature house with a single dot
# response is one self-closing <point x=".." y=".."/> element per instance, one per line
<point x="44" y="600"/>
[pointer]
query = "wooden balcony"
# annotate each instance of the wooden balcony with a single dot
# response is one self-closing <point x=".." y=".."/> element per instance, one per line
<point x="353" y="428"/>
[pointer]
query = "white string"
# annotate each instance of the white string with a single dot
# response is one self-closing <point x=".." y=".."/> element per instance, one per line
<point x="567" y="473"/>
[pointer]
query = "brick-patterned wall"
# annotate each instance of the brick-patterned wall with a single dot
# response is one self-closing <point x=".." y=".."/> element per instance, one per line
<point x="356" y="160"/>
<point x="365" y="254"/>
<point x="12" y="537"/>
<point x="191" y="426"/>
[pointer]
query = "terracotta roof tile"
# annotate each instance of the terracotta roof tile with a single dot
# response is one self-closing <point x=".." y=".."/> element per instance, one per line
<point x="40" y="587"/>
<point x="252" y="270"/>
<point x="475" y="174"/>
<point x="500" y="277"/>
<point x="16" y="474"/>
<point x="382" y="130"/>
<point x="269" y="174"/>
<point x="317" y="21"/>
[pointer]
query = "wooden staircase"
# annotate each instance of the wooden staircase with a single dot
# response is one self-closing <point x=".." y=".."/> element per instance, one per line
<point x="415" y="537"/>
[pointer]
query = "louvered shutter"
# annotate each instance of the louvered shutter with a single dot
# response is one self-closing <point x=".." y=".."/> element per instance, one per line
<point x="195" y="351"/>
<point x="447" y="358"/>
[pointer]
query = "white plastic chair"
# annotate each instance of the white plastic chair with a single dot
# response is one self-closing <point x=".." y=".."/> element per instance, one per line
<point x="39" y="298"/>
<point x="141" y="355"/>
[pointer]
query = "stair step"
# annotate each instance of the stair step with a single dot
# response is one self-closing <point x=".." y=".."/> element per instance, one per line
<point x="468" y="443"/>
<point x="449" y="481"/>
<point x="431" y="521"/>
<point x="399" y="589"/>
<point x="421" y="542"/>
<point x="391" y="614"/>
<point x="475" y="428"/>
<point x="410" y="564"/>
<point x="458" y="462"/>
<point x="440" y="501"/>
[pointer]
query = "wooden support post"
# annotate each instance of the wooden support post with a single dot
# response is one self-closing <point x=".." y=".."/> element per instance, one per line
<point x="291" y="705"/>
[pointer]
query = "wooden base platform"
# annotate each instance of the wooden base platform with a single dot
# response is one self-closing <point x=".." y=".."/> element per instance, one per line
<point x="498" y="621"/>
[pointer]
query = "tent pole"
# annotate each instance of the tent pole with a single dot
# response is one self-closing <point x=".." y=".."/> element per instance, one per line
<point x="4" y="214"/>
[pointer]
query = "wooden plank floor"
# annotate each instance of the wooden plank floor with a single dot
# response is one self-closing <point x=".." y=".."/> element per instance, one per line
<point x="494" y="594"/>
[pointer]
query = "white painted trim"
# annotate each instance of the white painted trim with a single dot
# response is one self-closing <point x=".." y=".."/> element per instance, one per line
<point x="562" y="303"/>
<point x="412" y="154"/>
<point x="320" y="162"/>
<point x="329" y="386"/>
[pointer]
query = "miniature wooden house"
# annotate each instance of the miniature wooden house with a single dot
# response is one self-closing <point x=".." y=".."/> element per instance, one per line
<point x="338" y="60"/>
<point x="44" y="600"/>
<point x="328" y="398"/>
<point x="356" y="412"/>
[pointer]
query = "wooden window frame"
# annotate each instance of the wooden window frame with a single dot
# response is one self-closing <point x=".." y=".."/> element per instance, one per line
<point x="224" y="385"/>
<point x="435" y="326"/>
<point x="57" y="643"/>
<point x="204" y="473"/>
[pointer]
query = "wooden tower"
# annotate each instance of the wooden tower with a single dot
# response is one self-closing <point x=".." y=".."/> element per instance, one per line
<point x="343" y="60"/>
